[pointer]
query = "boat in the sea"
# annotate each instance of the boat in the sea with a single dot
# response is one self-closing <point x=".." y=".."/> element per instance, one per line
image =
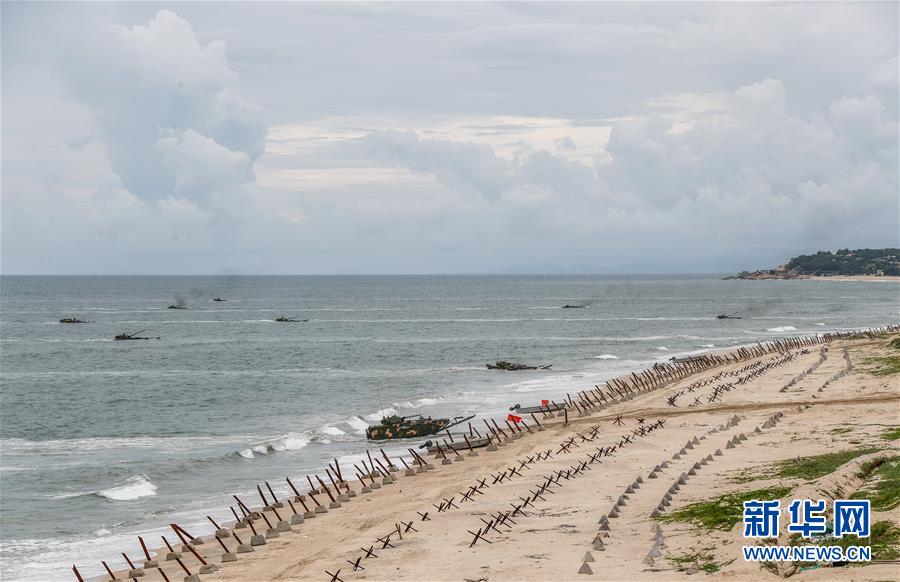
<point x="219" y="300"/>
<point x="405" y="427"/>
<point x="728" y="316"/>
<point x="461" y="444"/>
<point x="549" y="407"/>
<point x="72" y="320"/>
<point x="567" y="306"/>
<point x="283" y="319"/>
<point x="513" y="366"/>
<point x="177" y="306"/>
<point x="132" y="336"/>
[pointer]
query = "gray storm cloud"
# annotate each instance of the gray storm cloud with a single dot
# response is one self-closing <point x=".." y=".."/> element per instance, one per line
<point x="189" y="140"/>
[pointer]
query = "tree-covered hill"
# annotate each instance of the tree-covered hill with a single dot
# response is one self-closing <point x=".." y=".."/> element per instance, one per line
<point x="847" y="262"/>
<point x="844" y="262"/>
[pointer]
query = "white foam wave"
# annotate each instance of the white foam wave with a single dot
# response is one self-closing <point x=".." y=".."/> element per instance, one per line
<point x="287" y="442"/>
<point x="377" y="415"/>
<point x="707" y="345"/>
<point x="357" y="424"/>
<point x="332" y="430"/>
<point x="133" y="488"/>
<point x="606" y="357"/>
<point x="821" y="324"/>
<point x="782" y="329"/>
<point x="91" y="444"/>
<point x="663" y="348"/>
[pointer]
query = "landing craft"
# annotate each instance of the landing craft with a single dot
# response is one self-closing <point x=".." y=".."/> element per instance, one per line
<point x="514" y="367"/>
<point x="548" y="407"/>
<point x="404" y="427"/>
<point x="456" y="447"/>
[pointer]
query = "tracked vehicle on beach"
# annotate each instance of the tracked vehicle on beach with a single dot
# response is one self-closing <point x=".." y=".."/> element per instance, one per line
<point x="406" y="427"/>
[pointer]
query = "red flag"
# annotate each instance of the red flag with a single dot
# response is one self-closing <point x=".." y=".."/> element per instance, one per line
<point x="513" y="418"/>
<point x="545" y="402"/>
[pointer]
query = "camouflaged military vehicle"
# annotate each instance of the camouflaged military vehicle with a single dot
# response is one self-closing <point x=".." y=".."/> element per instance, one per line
<point x="513" y="366"/>
<point x="405" y="427"/>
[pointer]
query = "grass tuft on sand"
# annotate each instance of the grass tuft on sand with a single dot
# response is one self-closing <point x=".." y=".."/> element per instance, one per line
<point x="724" y="511"/>
<point x="705" y="560"/>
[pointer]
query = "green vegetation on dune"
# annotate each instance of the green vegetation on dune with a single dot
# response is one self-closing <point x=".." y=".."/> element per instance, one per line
<point x="724" y="511"/>
<point x="810" y="468"/>
<point x="884" y="366"/>
<point x="891" y="434"/>
<point x="883" y="487"/>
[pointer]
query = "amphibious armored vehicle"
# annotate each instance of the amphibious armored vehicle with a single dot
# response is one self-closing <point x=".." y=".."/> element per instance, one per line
<point x="513" y="366"/>
<point x="405" y="427"/>
<point x="283" y="319"/>
<point x="132" y="336"/>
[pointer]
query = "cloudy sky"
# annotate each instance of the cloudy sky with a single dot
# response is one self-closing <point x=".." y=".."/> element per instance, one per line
<point x="444" y="138"/>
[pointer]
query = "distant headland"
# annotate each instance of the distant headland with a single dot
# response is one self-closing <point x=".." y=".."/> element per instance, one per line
<point x="845" y="264"/>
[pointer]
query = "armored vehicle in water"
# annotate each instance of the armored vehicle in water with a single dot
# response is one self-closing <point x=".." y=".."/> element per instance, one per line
<point x="513" y="366"/>
<point x="405" y="427"/>
<point x="283" y="319"/>
<point x="728" y="316"/>
<point x="71" y="320"/>
<point x="132" y="336"/>
<point x="567" y="306"/>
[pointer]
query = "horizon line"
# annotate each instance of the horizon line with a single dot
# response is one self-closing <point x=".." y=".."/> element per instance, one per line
<point x="523" y="274"/>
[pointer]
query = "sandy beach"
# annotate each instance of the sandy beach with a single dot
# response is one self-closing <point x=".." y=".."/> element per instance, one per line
<point x="854" y="278"/>
<point x="574" y="499"/>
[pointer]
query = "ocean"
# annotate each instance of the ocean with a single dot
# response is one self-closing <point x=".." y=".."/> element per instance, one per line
<point x="103" y="440"/>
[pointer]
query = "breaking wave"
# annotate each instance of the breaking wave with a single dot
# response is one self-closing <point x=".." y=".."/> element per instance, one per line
<point x="132" y="488"/>
<point x="606" y="357"/>
<point x="782" y="329"/>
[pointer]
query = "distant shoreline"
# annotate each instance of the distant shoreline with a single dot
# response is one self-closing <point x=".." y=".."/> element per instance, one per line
<point x="763" y="276"/>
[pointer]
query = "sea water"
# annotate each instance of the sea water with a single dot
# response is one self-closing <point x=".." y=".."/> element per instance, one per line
<point x="105" y="440"/>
